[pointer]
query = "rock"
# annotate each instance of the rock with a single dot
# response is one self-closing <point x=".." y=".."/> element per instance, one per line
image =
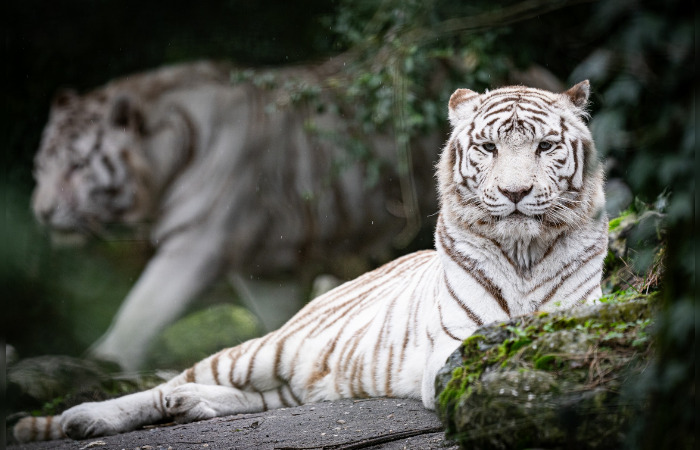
<point x="45" y="377"/>
<point x="548" y="380"/>
<point x="377" y="423"/>
<point x="50" y="384"/>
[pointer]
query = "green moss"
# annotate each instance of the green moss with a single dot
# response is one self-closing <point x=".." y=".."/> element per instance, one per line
<point x="547" y="362"/>
<point x="200" y="334"/>
<point x="463" y="375"/>
<point x="615" y="223"/>
<point x="472" y="341"/>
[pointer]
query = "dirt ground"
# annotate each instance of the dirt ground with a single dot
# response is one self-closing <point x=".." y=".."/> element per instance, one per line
<point x="345" y="424"/>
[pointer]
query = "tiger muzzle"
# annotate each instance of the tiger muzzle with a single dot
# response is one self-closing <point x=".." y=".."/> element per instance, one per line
<point x="515" y="195"/>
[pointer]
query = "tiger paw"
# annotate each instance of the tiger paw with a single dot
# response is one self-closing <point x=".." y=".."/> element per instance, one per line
<point x="89" y="420"/>
<point x="187" y="403"/>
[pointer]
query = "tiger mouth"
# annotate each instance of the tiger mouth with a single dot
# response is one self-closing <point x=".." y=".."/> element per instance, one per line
<point x="67" y="238"/>
<point x="519" y="215"/>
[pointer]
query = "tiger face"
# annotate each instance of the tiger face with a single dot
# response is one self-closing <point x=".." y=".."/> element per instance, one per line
<point x="520" y="162"/>
<point x="90" y="170"/>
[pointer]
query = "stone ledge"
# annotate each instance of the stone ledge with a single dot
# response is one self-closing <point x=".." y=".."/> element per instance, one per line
<point x="340" y="425"/>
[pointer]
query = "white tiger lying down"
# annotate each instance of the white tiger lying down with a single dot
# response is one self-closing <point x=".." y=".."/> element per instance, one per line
<point x="521" y="228"/>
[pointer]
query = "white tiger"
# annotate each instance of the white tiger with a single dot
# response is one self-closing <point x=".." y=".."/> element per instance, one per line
<point x="522" y="228"/>
<point x="230" y="178"/>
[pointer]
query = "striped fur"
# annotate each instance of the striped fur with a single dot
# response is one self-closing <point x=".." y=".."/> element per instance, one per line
<point x="389" y="331"/>
<point x="233" y="179"/>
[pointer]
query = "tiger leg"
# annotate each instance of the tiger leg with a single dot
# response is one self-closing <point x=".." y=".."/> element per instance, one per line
<point x="263" y="299"/>
<point x="195" y="401"/>
<point x="96" y="418"/>
<point x="241" y="379"/>
<point x="171" y="280"/>
<point x="444" y="346"/>
<point x="235" y="380"/>
<point x="184" y="401"/>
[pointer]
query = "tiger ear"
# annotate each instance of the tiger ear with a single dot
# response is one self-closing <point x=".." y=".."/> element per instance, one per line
<point x="64" y="97"/>
<point x="125" y="113"/>
<point x="579" y="93"/>
<point x="460" y="105"/>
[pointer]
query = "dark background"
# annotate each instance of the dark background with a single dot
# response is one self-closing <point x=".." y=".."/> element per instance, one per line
<point x="84" y="43"/>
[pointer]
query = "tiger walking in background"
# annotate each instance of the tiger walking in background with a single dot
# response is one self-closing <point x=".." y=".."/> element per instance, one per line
<point x="522" y="228"/>
<point x="233" y="179"/>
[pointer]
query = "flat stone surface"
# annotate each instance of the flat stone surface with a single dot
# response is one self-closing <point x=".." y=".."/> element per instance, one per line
<point x="378" y="423"/>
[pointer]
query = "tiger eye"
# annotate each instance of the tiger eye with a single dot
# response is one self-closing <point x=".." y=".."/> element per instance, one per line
<point x="544" y="145"/>
<point x="489" y="146"/>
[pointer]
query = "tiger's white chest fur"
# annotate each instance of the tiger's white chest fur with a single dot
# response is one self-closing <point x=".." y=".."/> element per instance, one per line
<point x="507" y="243"/>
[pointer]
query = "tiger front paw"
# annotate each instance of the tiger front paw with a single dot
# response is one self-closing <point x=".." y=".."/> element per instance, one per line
<point x="187" y="404"/>
<point x="88" y="420"/>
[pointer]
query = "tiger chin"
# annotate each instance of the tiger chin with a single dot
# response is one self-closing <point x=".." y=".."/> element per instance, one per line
<point x="521" y="228"/>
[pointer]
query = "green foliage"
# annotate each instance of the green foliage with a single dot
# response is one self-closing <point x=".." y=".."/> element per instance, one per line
<point x="615" y="223"/>
<point x="637" y="242"/>
<point x="52" y="407"/>
<point x="201" y="334"/>
<point x="394" y="77"/>
<point x="401" y="69"/>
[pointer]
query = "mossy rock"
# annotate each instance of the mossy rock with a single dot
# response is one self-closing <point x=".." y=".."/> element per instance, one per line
<point x="201" y="334"/>
<point x="552" y="380"/>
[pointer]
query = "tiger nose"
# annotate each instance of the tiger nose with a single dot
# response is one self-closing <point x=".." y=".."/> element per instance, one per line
<point x="44" y="213"/>
<point x="515" y="195"/>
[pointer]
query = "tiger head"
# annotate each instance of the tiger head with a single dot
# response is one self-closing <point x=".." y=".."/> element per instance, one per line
<point x="90" y="169"/>
<point x="520" y="163"/>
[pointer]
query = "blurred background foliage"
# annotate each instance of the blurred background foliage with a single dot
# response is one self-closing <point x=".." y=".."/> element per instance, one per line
<point x="401" y="60"/>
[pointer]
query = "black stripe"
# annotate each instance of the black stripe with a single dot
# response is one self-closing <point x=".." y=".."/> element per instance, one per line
<point x="294" y="397"/>
<point x="444" y="328"/>
<point x="469" y="265"/>
<point x="284" y="401"/>
<point x="563" y="279"/>
<point x="474" y="318"/>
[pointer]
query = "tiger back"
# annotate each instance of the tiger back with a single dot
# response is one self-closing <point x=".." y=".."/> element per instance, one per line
<point x="522" y="228"/>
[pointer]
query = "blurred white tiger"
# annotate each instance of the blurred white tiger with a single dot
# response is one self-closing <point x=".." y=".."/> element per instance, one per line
<point x="230" y="177"/>
<point x="522" y="228"/>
